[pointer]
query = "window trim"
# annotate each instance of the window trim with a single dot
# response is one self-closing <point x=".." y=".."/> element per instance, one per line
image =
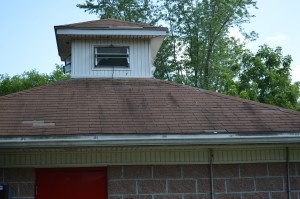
<point x="95" y="67"/>
<point x="67" y="68"/>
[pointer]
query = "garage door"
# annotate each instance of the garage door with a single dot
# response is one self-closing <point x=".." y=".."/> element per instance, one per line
<point x="71" y="183"/>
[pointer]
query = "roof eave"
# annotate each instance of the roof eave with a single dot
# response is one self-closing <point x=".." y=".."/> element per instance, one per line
<point x="110" y="31"/>
<point x="144" y="140"/>
<point x="71" y="33"/>
<point x="112" y="28"/>
<point x="57" y="44"/>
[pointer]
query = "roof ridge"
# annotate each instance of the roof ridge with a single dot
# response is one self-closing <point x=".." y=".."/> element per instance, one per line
<point x="108" y="19"/>
<point x="120" y="20"/>
<point x="90" y="21"/>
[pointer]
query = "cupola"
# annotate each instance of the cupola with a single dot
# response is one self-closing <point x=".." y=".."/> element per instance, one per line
<point x="109" y="48"/>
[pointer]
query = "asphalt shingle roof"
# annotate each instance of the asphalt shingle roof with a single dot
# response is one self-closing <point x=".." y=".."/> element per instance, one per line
<point x="109" y="24"/>
<point x="118" y="106"/>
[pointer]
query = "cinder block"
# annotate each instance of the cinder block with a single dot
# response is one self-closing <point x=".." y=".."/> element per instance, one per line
<point x="137" y="172"/>
<point x="114" y="172"/>
<point x="197" y="196"/>
<point x="254" y="170"/>
<point x="26" y="189"/>
<point x="295" y="183"/>
<point x="195" y="171"/>
<point x="261" y="195"/>
<point x="115" y="197"/>
<point x="278" y="169"/>
<point x="151" y="186"/>
<point x="167" y="171"/>
<point x="121" y="187"/>
<point x="19" y="175"/>
<point x="226" y="170"/>
<point x="204" y="186"/>
<point x="281" y="195"/>
<point x="269" y="184"/>
<point x="228" y="196"/>
<point x="168" y="196"/>
<point x="143" y="197"/>
<point x="297" y="165"/>
<point x="181" y="186"/>
<point x="138" y="197"/>
<point x="240" y="185"/>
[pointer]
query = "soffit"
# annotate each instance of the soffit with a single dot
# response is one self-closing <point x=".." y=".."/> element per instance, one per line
<point x="64" y="42"/>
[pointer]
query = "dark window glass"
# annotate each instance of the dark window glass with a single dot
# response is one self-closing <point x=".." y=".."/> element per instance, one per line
<point x="111" y="57"/>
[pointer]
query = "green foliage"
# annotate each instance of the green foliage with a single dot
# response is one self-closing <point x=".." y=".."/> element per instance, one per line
<point x="29" y="79"/>
<point x="140" y="11"/>
<point x="265" y="77"/>
<point x="198" y="47"/>
<point x="202" y="27"/>
<point x="163" y="59"/>
<point x="198" y="50"/>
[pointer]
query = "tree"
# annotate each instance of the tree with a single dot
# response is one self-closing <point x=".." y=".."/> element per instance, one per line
<point x="198" y="50"/>
<point x="197" y="42"/>
<point x="168" y="62"/>
<point x="140" y="11"/>
<point x="29" y="79"/>
<point x="203" y="26"/>
<point x="265" y="77"/>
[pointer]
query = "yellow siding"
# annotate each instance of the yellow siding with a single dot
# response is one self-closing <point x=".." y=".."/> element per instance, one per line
<point x="144" y="155"/>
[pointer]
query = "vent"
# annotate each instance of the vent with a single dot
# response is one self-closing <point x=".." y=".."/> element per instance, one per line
<point x="41" y="123"/>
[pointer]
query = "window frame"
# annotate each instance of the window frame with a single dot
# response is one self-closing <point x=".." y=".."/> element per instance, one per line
<point x="67" y="68"/>
<point x="111" y="56"/>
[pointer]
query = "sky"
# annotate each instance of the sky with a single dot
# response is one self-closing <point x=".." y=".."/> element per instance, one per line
<point x="28" y="41"/>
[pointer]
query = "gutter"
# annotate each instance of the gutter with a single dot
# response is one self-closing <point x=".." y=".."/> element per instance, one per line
<point x="101" y="140"/>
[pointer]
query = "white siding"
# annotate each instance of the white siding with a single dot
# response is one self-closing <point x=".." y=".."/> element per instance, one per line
<point x="83" y="59"/>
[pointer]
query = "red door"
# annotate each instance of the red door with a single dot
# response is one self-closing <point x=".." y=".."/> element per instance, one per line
<point x="74" y="183"/>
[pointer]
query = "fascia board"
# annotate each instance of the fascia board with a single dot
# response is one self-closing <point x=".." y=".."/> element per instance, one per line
<point x="110" y="32"/>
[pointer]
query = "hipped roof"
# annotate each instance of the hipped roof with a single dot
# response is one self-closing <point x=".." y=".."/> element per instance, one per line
<point x="109" y="24"/>
<point x="136" y="106"/>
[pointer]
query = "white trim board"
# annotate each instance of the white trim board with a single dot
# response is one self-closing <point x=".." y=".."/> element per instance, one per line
<point x="110" y="32"/>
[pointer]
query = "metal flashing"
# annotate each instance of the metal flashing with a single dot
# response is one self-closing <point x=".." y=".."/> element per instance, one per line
<point x="144" y="140"/>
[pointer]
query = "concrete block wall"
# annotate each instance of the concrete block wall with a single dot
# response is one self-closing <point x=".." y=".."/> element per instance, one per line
<point x="232" y="181"/>
<point x="22" y="182"/>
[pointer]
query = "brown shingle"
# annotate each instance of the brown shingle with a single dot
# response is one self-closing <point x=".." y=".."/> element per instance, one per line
<point x="87" y="106"/>
<point x="109" y="24"/>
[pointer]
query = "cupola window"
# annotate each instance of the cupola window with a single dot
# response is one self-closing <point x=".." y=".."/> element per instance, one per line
<point x="67" y="66"/>
<point x="111" y="57"/>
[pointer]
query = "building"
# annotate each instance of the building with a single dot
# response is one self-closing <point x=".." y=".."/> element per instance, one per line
<point x="112" y="131"/>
